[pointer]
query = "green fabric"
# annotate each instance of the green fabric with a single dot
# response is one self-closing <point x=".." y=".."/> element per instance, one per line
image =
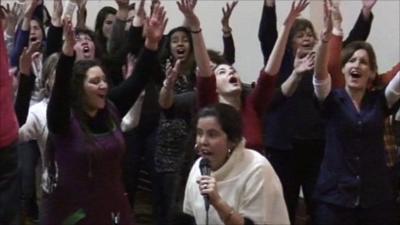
<point x="75" y="217"/>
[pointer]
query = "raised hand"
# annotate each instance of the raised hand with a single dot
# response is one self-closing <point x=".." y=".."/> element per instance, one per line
<point x="57" y="13"/>
<point x="122" y="3"/>
<point x="269" y="3"/>
<point x="31" y="8"/>
<point x="155" y="27"/>
<point x="82" y="5"/>
<point x="295" y="11"/>
<point x="186" y="7"/>
<point x="25" y="60"/>
<point x="69" y="36"/>
<point x="172" y="75"/>
<point x="327" y="29"/>
<point x="11" y="15"/>
<point x="304" y="61"/>
<point x="140" y="16"/>
<point x="336" y="16"/>
<point x="368" y="4"/>
<point x="367" y="7"/>
<point x="226" y="14"/>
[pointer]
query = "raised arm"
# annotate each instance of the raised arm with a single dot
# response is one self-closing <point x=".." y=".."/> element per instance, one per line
<point x="125" y="94"/>
<point x="118" y="38"/>
<point x="135" y="33"/>
<point x="26" y="83"/>
<point x="59" y="108"/>
<point x="11" y="16"/>
<point x="322" y="80"/>
<point x="199" y="47"/>
<point x="267" y="31"/>
<point x="22" y="36"/>
<point x="229" y="45"/>
<point x="362" y="27"/>
<point x="54" y="34"/>
<point x="275" y="60"/>
<point x="81" y="14"/>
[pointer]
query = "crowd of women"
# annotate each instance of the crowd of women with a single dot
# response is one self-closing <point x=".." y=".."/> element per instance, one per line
<point x="83" y="111"/>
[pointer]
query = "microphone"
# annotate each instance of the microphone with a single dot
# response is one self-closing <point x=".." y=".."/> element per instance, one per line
<point x="205" y="170"/>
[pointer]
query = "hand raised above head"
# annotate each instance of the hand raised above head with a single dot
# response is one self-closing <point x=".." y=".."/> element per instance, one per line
<point x="187" y="9"/>
<point x="69" y="36"/>
<point x="227" y="12"/>
<point x="122" y="3"/>
<point x="155" y="26"/>
<point x="328" y="24"/>
<point x="295" y="11"/>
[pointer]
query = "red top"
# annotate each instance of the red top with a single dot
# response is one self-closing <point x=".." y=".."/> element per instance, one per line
<point x="8" y="119"/>
<point x="253" y="107"/>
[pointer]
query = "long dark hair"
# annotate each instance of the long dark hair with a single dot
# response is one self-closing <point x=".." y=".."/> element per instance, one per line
<point x="166" y="56"/>
<point x="98" y="28"/>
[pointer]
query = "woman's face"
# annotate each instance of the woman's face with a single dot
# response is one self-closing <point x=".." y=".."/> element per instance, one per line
<point x="107" y="25"/>
<point x="228" y="80"/>
<point x="304" y="40"/>
<point x="95" y="90"/>
<point x="36" y="33"/>
<point x="357" y="71"/>
<point x="84" y="47"/>
<point x="212" y="142"/>
<point x="180" y="45"/>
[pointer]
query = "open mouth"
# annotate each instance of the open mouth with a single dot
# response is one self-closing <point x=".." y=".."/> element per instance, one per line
<point x="85" y="49"/>
<point x="33" y="39"/>
<point x="233" y="80"/>
<point x="355" y="74"/>
<point x="180" y="52"/>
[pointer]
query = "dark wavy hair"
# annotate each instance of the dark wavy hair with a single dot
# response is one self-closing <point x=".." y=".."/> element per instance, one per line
<point x="228" y="118"/>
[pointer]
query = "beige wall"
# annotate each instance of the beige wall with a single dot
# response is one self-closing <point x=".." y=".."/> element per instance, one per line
<point x="384" y="35"/>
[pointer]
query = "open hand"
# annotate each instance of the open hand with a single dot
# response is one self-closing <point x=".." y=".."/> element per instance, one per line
<point x="172" y="74"/>
<point x="295" y="11"/>
<point x="187" y="9"/>
<point x="304" y="61"/>
<point x="226" y="14"/>
<point x="155" y="26"/>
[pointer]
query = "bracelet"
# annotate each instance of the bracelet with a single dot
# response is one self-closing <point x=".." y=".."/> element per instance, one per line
<point x="195" y="31"/>
<point x="227" y="31"/>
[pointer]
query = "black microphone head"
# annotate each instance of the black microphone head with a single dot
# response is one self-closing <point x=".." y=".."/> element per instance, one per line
<point x="205" y="167"/>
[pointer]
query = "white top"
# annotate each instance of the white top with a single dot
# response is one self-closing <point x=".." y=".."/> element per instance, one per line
<point x="35" y="127"/>
<point x="248" y="183"/>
